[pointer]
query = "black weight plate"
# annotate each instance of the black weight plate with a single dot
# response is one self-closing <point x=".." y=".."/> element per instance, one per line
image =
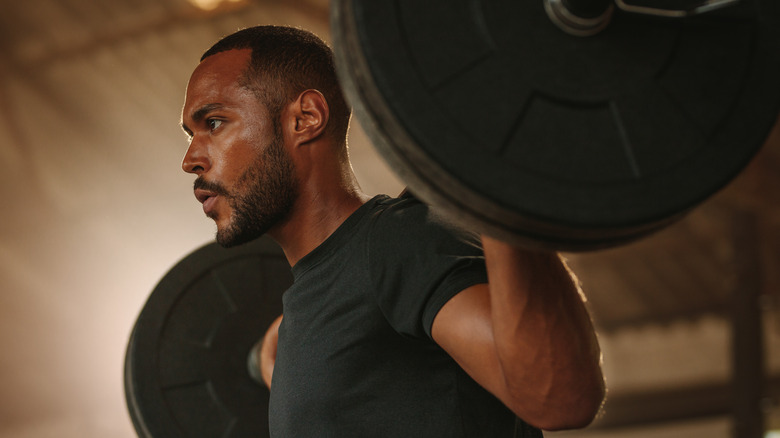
<point x="489" y="111"/>
<point x="186" y="369"/>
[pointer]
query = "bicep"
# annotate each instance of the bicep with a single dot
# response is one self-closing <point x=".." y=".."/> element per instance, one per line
<point x="463" y="328"/>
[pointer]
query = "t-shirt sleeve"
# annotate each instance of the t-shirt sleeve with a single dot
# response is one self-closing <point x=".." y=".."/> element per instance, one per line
<point x="418" y="261"/>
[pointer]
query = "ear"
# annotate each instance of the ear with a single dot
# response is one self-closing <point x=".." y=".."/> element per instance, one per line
<point x="308" y="117"/>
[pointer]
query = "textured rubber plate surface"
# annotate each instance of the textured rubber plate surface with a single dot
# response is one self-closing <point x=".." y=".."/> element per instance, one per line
<point x="488" y="110"/>
<point x="186" y="364"/>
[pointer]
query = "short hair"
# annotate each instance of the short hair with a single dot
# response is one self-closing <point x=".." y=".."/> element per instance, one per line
<point x="286" y="61"/>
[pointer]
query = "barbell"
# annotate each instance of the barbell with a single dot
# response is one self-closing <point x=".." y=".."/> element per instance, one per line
<point x="563" y="124"/>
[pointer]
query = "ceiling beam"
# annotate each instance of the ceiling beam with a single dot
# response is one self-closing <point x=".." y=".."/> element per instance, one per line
<point x="629" y="410"/>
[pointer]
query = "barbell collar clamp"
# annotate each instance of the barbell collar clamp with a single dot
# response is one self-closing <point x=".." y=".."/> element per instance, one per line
<point x="563" y="15"/>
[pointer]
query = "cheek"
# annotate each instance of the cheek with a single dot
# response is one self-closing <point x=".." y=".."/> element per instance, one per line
<point x="233" y="157"/>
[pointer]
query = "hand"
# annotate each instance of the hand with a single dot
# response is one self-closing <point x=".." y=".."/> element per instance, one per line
<point x="265" y="356"/>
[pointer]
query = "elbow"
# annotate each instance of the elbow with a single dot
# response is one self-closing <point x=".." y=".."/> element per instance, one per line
<point x="575" y="417"/>
<point x="576" y="410"/>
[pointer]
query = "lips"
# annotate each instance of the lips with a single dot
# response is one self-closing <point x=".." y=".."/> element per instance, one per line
<point x="207" y="198"/>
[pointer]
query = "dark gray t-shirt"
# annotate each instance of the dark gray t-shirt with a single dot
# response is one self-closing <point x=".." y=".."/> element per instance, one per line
<point x="356" y="357"/>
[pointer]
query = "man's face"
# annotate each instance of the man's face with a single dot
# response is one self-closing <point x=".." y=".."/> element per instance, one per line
<point x="245" y="178"/>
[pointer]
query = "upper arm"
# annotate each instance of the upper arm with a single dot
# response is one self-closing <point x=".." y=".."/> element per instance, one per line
<point x="527" y="338"/>
<point x="414" y="276"/>
<point x="462" y="327"/>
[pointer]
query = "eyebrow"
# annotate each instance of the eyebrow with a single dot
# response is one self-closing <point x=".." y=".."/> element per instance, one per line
<point x="199" y="114"/>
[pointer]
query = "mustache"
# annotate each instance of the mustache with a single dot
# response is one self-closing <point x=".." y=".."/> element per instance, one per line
<point x="211" y="186"/>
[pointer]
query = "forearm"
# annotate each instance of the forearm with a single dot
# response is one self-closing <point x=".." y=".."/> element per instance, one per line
<point x="544" y="338"/>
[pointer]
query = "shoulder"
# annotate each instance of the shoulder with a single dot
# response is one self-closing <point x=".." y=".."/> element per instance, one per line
<point x="418" y="260"/>
<point x="408" y="209"/>
<point x="402" y="209"/>
<point x="407" y="220"/>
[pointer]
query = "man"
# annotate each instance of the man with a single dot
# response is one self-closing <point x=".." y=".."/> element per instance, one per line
<point x="391" y="327"/>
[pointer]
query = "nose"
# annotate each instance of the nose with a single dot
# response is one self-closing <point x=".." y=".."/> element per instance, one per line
<point x="196" y="158"/>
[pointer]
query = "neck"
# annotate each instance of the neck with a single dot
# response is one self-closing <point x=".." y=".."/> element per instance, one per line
<point x="320" y="209"/>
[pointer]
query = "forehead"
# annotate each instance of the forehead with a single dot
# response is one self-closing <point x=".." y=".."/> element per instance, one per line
<point x="217" y="80"/>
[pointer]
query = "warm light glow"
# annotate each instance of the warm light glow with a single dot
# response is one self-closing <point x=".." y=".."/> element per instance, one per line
<point x="210" y="5"/>
<point x="206" y="5"/>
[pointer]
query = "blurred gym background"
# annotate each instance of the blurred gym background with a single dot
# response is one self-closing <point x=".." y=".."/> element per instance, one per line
<point x="95" y="210"/>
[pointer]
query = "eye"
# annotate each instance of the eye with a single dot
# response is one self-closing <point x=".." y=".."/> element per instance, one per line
<point x="213" y="124"/>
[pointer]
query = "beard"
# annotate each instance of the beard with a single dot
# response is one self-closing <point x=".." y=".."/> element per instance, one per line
<point x="263" y="196"/>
